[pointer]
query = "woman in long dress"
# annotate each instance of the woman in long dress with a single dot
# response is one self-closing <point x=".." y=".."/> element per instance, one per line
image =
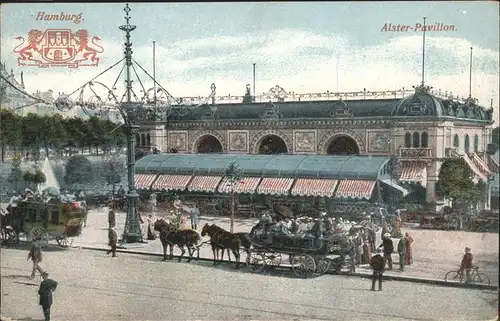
<point x="408" y="253"/>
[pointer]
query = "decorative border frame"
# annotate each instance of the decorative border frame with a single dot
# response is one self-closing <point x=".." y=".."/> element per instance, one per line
<point x="230" y="134"/>
<point x="181" y="133"/>
<point x="313" y="146"/>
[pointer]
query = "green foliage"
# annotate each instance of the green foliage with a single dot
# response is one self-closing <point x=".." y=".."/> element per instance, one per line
<point x="78" y="170"/>
<point x="28" y="176"/>
<point x="456" y="181"/>
<point x="233" y="172"/>
<point x="113" y="167"/>
<point x="39" y="177"/>
<point x="16" y="174"/>
<point x="33" y="132"/>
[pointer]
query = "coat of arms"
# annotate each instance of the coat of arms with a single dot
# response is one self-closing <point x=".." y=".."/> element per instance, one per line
<point x="58" y="48"/>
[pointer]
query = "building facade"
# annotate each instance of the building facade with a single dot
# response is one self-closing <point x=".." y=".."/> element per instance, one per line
<point x="417" y="128"/>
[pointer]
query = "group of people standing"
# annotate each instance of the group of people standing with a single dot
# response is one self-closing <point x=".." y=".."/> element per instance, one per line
<point x="379" y="262"/>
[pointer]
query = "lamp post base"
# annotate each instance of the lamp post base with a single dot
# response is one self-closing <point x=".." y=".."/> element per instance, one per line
<point x="132" y="238"/>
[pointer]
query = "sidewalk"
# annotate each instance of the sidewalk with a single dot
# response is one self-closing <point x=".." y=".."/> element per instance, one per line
<point x="434" y="252"/>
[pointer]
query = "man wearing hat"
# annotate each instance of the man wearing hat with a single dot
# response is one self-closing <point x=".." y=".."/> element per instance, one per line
<point x="113" y="240"/>
<point x="46" y="288"/>
<point x="35" y="255"/>
<point x="401" y="252"/>
<point x="377" y="263"/>
<point x="111" y="218"/>
<point x="388" y="248"/>
<point x="467" y="263"/>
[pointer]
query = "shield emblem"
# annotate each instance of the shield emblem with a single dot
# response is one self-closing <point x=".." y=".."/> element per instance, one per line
<point x="57" y="48"/>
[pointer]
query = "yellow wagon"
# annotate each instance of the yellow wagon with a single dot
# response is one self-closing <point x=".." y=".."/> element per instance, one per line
<point x="41" y="220"/>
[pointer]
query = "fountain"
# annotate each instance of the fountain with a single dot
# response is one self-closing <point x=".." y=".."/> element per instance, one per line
<point x="51" y="180"/>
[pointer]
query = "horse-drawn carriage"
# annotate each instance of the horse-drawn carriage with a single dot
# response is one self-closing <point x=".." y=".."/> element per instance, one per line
<point x="38" y="219"/>
<point x="308" y="253"/>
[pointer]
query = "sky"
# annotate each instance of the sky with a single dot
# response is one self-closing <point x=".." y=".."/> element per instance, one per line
<point x="303" y="47"/>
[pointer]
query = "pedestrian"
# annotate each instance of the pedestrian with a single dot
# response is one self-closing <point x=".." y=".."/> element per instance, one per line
<point x="194" y="213"/>
<point x="46" y="288"/>
<point x="113" y="239"/>
<point x="388" y="249"/>
<point x="35" y="254"/>
<point x="402" y="252"/>
<point x="151" y="235"/>
<point x="111" y="218"/>
<point x="408" y="254"/>
<point x="377" y="263"/>
<point x="358" y="242"/>
<point x="367" y="253"/>
<point x="467" y="263"/>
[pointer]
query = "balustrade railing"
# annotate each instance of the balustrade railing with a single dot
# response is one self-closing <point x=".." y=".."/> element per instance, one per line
<point x="415" y="152"/>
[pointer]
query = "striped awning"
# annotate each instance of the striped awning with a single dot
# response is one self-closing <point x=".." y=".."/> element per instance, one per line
<point x="414" y="172"/>
<point x="144" y="181"/>
<point x="357" y="189"/>
<point x="314" y="187"/>
<point x="204" y="183"/>
<point x="477" y="172"/>
<point x="243" y="185"/>
<point x="171" y="182"/>
<point x="275" y="186"/>
<point x="481" y="165"/>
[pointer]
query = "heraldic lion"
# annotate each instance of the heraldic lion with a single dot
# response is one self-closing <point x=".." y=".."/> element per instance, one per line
<point x="34" y="39"/>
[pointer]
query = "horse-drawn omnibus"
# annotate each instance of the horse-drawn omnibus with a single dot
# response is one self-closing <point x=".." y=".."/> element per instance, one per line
<point x="39" y="219"/>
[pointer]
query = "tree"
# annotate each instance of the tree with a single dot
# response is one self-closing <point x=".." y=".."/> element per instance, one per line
<point x="32" y="132"/>
<point x="16" y="174"/>
<point x="456" y="182"/>
<point x="113" y="168"/>
<point x="78" y="170"/>
<point x="10" y="130"/>
<point x="233" y="175"/>
<point x="495" y="139"/>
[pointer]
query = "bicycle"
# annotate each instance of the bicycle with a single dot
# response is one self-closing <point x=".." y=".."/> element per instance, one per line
<point x="476" y="277"/>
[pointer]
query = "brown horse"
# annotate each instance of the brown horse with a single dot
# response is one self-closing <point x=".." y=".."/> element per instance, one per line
<point x="221" y="240"/>
<point x="170" y="236"/>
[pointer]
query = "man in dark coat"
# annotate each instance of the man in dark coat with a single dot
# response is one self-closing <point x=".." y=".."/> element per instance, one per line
<point x="113" y="239"/>
<point x="35" y="255"/>
<point x="377" y="263"/>
<point x="402" y="252"/>
<point x="388" y="249"/>
<point x="111" y="219"/>
<point x="46" y="288"/>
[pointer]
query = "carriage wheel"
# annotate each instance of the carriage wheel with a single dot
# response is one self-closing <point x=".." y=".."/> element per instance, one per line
<point x="273" y="259"/>
<point x="322" y="265"/>
<point x="9" y="236"/>
<point x="39" y="233"/>
<point x="63" y="241"/>
<point x="303" y="265"/>
<point x="256" y="262"/>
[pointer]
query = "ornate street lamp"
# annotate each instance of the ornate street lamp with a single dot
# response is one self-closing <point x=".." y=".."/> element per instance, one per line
<point x="131" y="112"/>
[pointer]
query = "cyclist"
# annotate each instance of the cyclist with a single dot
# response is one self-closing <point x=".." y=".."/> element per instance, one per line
<point x="467" y="263"/>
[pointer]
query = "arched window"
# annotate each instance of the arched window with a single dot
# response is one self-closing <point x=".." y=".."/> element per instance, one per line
<point x="456" y="141"/>
<point x="143" y="140"/>
<point x="137" y="140"/>
<point x="424" y="139"/>
<point x="148" y="139"/>
<point x="466" y="144"/>
<point x="416" y="140"/>
<point x="408" y="140"/>
<point x="476" y="143"/>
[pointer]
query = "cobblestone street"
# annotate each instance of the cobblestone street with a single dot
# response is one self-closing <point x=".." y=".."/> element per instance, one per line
<point x="93" y="286"/>
<point x="435" y="252"/>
